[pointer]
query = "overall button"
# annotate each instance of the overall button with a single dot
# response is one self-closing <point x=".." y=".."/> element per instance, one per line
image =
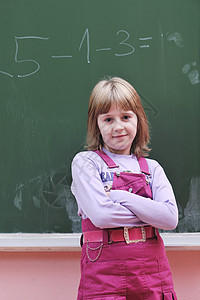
<point x="117" y="173"/>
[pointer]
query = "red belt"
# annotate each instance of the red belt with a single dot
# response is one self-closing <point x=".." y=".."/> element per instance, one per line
<point x="125" y="234"/>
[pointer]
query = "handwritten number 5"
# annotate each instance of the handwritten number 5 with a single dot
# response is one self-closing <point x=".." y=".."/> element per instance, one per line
<point x="125" y="44"/>
<point x="27" y="60"/>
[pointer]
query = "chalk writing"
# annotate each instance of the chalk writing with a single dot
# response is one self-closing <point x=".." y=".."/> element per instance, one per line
<point x="125" y="48"/>
<point x="56" y="193"/>
<point x="61" y="56"/>
<point x="27" y="60"/>
<point x="87" y="36"/>
<point x="177" y="38"/>
<point x="125" y="44"/>
<point x="18" y="197"/>
<point x="5" y="73"/>
<point x="104" y="49"/>
<point x="190" y="220"/>
<point x="145" y="39"/>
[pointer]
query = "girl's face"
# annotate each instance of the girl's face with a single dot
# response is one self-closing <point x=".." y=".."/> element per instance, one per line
<point x="118" y="129"/>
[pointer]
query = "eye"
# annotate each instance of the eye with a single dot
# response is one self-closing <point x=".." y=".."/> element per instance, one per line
<point x="126" y="117"/>
<point x="108" y="120"/>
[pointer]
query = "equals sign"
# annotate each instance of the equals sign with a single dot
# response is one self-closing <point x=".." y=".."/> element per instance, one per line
<point x="145" y="39"/>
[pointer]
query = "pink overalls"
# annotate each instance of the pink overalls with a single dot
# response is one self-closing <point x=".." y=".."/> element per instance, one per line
<point x="121" y="270"/>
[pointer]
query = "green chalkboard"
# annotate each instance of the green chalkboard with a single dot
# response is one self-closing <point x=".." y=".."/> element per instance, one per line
<point x="52" y="53"/>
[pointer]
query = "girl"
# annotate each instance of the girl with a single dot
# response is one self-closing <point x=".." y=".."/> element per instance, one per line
<point x="123" y="198"/>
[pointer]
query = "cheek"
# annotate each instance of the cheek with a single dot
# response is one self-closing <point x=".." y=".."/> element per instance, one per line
<point x="136" y="121"/>
<point x="103" y="128"/>
<point x="105" y="133"/>
<point x="99" y="125"/>
<point x="135" y="124"/>
<point x="133" y="130"/>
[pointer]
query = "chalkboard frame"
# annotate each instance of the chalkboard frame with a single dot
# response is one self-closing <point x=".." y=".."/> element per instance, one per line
<point x="71" y="242"/>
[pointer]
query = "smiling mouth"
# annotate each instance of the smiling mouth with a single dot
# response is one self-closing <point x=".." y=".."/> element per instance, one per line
<point x="119" y="136"/>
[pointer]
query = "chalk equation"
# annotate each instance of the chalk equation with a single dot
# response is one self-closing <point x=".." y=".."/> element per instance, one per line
<point x="124" y="42"/>
<point x="124" y="46"/>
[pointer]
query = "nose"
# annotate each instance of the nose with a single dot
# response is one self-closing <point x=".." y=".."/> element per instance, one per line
<point x="118" y="125"/>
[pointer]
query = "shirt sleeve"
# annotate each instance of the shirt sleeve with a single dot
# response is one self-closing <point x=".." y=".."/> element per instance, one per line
<point x="162" y="212"/>
<point x="93" y="201"/>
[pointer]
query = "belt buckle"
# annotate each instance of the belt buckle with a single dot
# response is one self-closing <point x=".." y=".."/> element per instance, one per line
<point x="126" y="235"/>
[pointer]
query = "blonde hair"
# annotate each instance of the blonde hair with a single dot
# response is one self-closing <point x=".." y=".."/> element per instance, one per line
<point x="117" y="91"/>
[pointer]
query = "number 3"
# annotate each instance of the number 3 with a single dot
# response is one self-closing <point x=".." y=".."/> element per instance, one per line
<point x="126" y="44"/>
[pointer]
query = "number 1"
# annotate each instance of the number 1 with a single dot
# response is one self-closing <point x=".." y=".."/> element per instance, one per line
<point x="86" y="34"/>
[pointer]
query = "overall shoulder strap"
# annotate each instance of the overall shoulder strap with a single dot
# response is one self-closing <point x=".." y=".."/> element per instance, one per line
<point x="110" y="163"/>
<point x="143" y="165"/>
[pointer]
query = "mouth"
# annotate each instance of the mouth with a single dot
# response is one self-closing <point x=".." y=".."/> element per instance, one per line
<point x="119" y="136"/>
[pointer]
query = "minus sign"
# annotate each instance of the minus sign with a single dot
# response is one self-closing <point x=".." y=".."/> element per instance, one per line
<point x="103" y="49"/>
<point x="62" y="56"/>
<point x="145" y="39"/>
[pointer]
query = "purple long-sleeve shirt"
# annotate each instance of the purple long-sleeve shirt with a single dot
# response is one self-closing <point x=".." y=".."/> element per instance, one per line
<point x="91" y="177"/>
